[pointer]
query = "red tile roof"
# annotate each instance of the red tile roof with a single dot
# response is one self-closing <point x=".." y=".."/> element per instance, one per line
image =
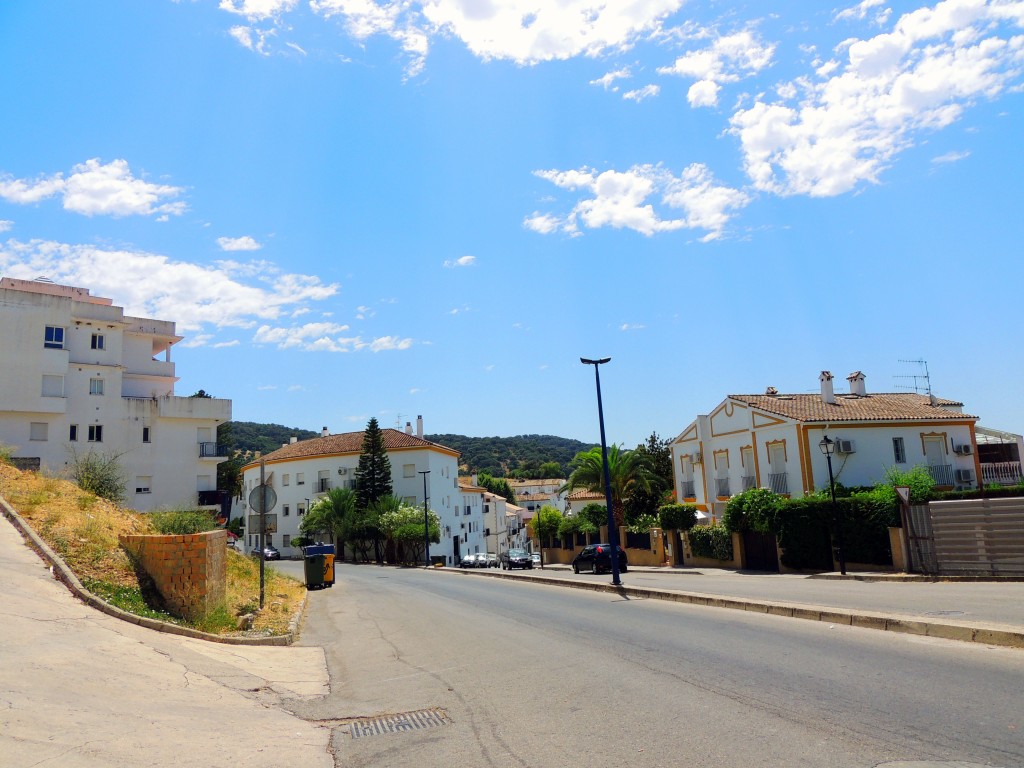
<point x="900" y="406"/>
<point x="349" y="443"/>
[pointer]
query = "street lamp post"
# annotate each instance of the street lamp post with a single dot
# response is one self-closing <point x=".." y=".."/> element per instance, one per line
<point x="426" y="519"/>
<point x="828" y="447"/>
<point x="613" y="531"/>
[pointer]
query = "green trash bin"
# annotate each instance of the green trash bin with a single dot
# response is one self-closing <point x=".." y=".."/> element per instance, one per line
<point x="319" y="565"/>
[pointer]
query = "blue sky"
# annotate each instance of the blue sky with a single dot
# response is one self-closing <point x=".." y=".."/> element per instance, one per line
<point x="355" y="208"/>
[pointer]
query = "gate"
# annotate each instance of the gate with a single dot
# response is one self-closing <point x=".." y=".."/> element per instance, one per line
<point x="921" y="539"/>
<point x="760" y="552"/>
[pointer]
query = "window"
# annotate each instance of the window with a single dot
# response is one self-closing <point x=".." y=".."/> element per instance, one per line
<point x="143" y="483"/>
<point x="97" y="341"/>
<point x="95" y="433"/>
<point x="286" y="479"/>
<point x="286" y="510"/>
<point x="146" y="435"/>
<point x="95" y="386"/>
<point x="53" y="385"/>
<point x="73" y="433"/>
<point x="300" y="478"/>
<point x="54" y="338"/>
<point x="286" y="540"/>
<point x="409" y="500"/>
<point x="300" y="509"/>
<point x="38" y="430"/>
<point x="899" y="453"/>
<point x="408" y="470"/>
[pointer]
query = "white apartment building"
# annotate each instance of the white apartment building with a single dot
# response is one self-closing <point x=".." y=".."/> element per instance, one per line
<point x="78" y="375"/>
<point x="303" y="471"/>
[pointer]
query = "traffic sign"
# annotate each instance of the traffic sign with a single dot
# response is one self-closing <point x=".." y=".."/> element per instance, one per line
<point x="262" y="498"/>
<point x="903" y="491"/>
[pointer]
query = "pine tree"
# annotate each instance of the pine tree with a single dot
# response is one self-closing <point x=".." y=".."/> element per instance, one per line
<point x="373" y="476"/>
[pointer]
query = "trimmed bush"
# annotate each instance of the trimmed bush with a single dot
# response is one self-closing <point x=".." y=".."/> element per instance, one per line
<point x="712" y="541"/>
<point x="756" y="509"/>
<point x="677" y="517"/>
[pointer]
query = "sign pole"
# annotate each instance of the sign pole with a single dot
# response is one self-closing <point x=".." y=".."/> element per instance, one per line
<point x="263" y="525"/>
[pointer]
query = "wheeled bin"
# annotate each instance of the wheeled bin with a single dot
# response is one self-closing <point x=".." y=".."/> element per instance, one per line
<point x="319" y="565"/>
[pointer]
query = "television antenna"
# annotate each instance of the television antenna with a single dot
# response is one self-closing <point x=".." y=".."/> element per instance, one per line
<point x="917" y="378"/>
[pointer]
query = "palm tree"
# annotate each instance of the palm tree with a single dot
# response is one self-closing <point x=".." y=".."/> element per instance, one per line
<point x="329" y="515"/>
<point x="627" y="470"/>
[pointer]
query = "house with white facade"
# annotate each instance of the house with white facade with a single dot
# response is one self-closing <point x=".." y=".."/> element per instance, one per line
<point x="534" y="494"/>
<point x="77" y="375"/>
<point x="772" y="441"/>
<point x="302" y="471"/>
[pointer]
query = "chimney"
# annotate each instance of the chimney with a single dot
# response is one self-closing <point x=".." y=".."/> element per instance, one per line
<point x="419" y="427"/>
<point x="324" y="432"/>
<point x="408" y="427"/>
<point x="827" y="395"/>
<point x="771" y="391"/>
<point x="292" y="440"/>
<point x="856" y="380"/>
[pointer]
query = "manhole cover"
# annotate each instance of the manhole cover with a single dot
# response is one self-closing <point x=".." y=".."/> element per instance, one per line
<point x="398" y="723"/>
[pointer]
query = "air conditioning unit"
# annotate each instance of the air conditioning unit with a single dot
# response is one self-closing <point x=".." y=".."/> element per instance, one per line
<point x="846" y="446"/>
<point x="964" y="450"/>
<point x="965" y="475"/>
<point x="342" y="471"/>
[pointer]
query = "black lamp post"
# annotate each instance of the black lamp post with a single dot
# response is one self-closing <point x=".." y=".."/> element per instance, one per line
<point x="828" y="447"/>
<point x="613" y="531"/>
<point x="426" y="519"/>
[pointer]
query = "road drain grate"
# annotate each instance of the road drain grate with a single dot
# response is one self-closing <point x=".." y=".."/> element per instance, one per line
<point x="399" y="723"/>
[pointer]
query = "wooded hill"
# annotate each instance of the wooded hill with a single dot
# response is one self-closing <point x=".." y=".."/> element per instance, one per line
<point x="523" y="455"/>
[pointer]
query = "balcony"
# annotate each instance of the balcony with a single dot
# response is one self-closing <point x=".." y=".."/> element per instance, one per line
<point x="778" y="483"/>
<point x="211" y="498"/>
<point x="942" y="474"/>
<point x="722" y="486"/>
<point x="1001" y="473"/>
<point x="688" y="489"/>
<point x="749" y="481"/>
<point x="194" y="408"/>
<point x="323" y="485"/>
<point x="209" y="451"/>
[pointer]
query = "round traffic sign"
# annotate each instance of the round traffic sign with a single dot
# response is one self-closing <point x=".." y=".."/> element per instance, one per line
<point x="262" y="498"/>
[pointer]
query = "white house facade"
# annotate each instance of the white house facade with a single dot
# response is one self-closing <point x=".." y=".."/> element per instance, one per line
<point x="534" y="494"/>
<point x="772" y="441"/>
<point x="77" y="375"/>
<point x="302" y="471"/>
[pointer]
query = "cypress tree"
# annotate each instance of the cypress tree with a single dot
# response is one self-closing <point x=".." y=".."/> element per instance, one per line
<point x="373" y="476"/>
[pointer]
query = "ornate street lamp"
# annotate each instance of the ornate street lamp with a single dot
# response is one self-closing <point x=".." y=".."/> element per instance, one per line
<point x="613" y="531"/>
<point x="828" y="447"/>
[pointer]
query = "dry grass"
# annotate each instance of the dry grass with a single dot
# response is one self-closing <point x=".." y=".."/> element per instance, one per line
<point x="83" y="529"/>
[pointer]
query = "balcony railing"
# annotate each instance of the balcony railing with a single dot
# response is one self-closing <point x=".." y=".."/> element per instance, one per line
<point x="688" y="490"/>
<point x="722" y="486"/>
<point x="1001" y="473"/>
<point x="942" y="474"/>
<point x="748" y="482"/>
<point x="207" y="450"/>
<point x="323" y="485"/>
<point x="779" y="482"/>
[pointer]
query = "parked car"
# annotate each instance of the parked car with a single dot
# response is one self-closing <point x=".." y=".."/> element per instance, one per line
<point x="597" y="558"/>
<point x="492" y="560"/>
<point x="270" y="553"/>
<point x="516" y="558"/>
<point x="535" y="557"/>
<point x="481" y="559"/>
<point x="468" y="560"/>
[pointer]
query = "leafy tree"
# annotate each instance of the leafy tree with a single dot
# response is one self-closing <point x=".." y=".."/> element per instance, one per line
<point x="327" y="515"/>
<point x="404" y="526"/>
<point x="642" y="502"/>
<point x="497" y="485"/>
<point x="201" y="393"/>
<point x="545" y="523"/>
<point x="595" y="514"/>
<point x="627" y="470"/>
<point x="550" y="470"/>
<point x="919" y="480"/>
<point x="373" y="475"/>
<point x="677" y="517"/>
<point x="522" y="456"/>
<point x="575" y="524"/>
<point x="229" y="473"/>
<point x="756" y="509"/>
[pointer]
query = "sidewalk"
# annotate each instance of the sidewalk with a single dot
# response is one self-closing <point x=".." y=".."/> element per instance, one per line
<point x="81" y="688"/>
<point x="989" y="612"/>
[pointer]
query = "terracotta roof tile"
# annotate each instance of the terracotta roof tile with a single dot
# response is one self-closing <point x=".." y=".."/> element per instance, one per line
<point x="899" y="406"/>
<point x="349" y="443"/>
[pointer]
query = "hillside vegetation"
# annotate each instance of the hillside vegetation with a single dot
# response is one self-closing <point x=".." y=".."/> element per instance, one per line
<point x="519" y="456"/>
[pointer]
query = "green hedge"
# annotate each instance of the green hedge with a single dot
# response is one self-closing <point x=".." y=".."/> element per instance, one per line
<point x="806" y="525"/>
<point x="711" y="541"/>
<point x="677" y="517"/>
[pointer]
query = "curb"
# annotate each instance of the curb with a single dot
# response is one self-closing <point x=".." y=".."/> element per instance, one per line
<point x="980" y="633"/>
<point x="66" y="576"/>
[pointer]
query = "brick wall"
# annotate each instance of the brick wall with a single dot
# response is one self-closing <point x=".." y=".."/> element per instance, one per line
<point x="190" y="572"/>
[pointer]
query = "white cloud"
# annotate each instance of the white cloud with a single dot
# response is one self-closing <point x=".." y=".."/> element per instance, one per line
<point x="642" y="93"/>
<point x="728" y="59"/>
<point x="244" y="243"/>
<point x="631" y="327"/>
<point x="951" y="157"/>
<point x="267" y="388"/>
<point x="607" y="81"/>
<point x="462" y="261"/>
<point x="845" y="129"/>
<point x="196" y="297"/>
<point x="296" y="47"/>
<point x="225" y="344"/>
<point x="258" y="10"/>
<point x="93" y="188"/>
<point x="5" y="225"/>
<point x="622" y="199"/>
<point x="415" y="391"/>
<point x="325" y="337"/>
<point x="384" y="343"/>
<point x="860" y="12"/>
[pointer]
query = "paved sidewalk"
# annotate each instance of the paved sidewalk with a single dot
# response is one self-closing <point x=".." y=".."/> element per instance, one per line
<point x="979" y="611"/>
<point x="80" y="688"/>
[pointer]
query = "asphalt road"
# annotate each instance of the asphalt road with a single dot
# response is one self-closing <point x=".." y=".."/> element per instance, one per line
<point x="522" y="674"/>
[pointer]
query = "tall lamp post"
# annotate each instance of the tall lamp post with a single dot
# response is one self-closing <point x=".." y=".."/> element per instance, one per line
<point x="426" y="519"/>
<point x="613" y="531"/>
<point x="828" y="447"/>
